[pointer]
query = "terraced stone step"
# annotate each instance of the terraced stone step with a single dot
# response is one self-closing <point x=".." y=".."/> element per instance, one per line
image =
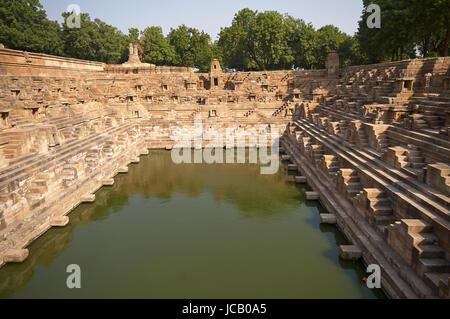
<point x="432" y="265"/>
<point x="430" y="251"/>
<point x="361" y="158"/>
<point x="435" y="280"/>
<point x="61" y="153"/>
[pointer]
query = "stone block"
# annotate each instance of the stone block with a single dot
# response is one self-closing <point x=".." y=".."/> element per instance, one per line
<point x="350" y="252"/>
<point x="108" y="182"/>
<point x="59" y="221"/>
<point x="328" y="219"/>
<point x="300" y="179"/>
<point x="312" y="195"/>
<point x="414" y="226"/>
<point x="88" y="198"/>
<point x="123" y="170"/>
<point x="15" y="255"/>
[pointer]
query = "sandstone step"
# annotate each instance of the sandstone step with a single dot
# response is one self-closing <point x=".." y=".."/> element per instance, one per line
<point x="430" y="251"/>
<point x="15" y="255"/>
<point x="300" y="179"/>
<point x="384" y="220"/>
<point x="59" y="221"/>
<point x="328" y="219"/>
<point x="350" y="252"/>
<point x="380" y="201"/>
<point x="423" y="200"/>
<point x="63" y="153"/>
<point x="424" y="239"/>
<point x="312" y="195"/>
<point x="412" y="226"/>
<point x="434" y="280"/>
<point x="381" y="210"/>
<point x="90" y="198"/>
<point x="427" y="265"/>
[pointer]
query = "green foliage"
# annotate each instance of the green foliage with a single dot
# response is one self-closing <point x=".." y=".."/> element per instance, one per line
<point x="94" y="40"/>
<point x="156" y="48"/>
<point x="133" y="35"/>
<point x="192" y="47"/>
<point x="268" y="40"/>
<point x="254" y="40"/>
<point x="302" y="40"/>
<point x="329" y="38"/>
<point x="24" y="26"/>
<point x="406" y="25"/>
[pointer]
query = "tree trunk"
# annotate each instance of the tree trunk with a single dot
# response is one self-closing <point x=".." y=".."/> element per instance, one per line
<point x="426" y="46"/>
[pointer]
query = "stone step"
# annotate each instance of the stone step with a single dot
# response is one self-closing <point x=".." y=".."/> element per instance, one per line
<point x="63" y="153"/>
<point x="433" y="279"/>
<point x="328" y="219"/>
<point x="354" y="185"/>
<point x="426" y="265"/>
<point x="38" y="190"/>
<point x="350" y="252"/>
<point x="312" y="195"/>
<point x="424" y="239"/>
<point x="381" y="210"/>
<point x="430" y="251"/>
<point x="385" y="174"/>
<point x="375" y="193"/>
<point x="384" y="220"/>
<point x="414" y="226"/>
<point x="40" y="182"/>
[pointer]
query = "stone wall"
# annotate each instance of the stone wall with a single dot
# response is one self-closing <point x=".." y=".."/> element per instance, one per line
<point x="372" y="141"/>
<point x="22" y="63"/>
<point x="376" y="148"/>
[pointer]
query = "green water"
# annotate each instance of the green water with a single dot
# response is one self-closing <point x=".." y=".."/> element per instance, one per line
<point x="191" y="231"/>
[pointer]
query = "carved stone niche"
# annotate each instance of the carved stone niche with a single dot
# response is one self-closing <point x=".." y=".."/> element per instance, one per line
<point x="212" y="113"/>
<point x="34" y="112"/>
<point x="4" y="114"/>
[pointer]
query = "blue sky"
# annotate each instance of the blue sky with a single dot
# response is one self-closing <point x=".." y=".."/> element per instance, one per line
<point x="208" y="15"/>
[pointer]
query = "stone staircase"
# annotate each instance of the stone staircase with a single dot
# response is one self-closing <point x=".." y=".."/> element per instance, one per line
<point x="378" y="205"/>
<point x="421" y="248"/>
<point x="348" y="182"/>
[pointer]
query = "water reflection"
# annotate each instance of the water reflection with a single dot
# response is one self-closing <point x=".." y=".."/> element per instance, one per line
<point x="191" y="231"/>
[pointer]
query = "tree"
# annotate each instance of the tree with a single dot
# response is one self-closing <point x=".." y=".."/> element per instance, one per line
<point x="94" y="40"/>
<point x="267" y="41"/>
<point x="329" y="38"/>
<point x="133" y="35"/>
<point x="233" y="41"/>
<point x="350" y="52"/>
<point x="256" y="41"/>
<point x="432" y="26"/>
<point x="24" y="26"/>
<point x="302" y="39"/>
<point x="156" y="48"/>
<point x="192" y="47"/>
<point x="407" y="26"/>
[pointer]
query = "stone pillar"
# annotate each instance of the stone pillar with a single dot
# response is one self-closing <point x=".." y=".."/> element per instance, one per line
<point x="215" y="75"/>
<point x="332" y="64"/>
